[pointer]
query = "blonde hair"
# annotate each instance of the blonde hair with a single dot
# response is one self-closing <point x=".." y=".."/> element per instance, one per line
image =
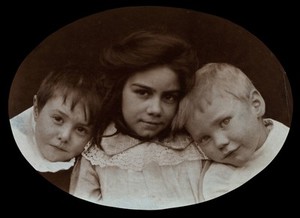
<point x="223" y="77"/>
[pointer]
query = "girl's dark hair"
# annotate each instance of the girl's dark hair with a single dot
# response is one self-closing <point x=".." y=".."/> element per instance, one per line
<point x="78" y="83"/>
<point x="140" y="51"/>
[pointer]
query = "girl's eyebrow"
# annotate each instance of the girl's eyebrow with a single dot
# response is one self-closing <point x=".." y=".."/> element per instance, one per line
<point x="142" y="86"/>
<point x="151" y="89"/>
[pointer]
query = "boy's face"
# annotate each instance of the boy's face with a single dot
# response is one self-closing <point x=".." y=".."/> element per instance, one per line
<point x="228" y="130"/>
<point x="61" y="133"/>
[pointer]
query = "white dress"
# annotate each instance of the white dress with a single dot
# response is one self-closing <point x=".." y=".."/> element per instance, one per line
<point x="128" y="173"/>
<point x="219" y="178"/>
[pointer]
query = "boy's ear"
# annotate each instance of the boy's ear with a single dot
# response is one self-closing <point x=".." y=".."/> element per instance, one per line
<point x="257" y="103"/>
<point x="35" y="107"/>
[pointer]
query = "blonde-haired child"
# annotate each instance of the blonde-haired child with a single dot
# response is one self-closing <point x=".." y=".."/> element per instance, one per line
<point x="224" y="115"/>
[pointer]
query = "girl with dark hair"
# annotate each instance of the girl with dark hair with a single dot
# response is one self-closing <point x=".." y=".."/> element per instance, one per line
<point x="136" y="163"/>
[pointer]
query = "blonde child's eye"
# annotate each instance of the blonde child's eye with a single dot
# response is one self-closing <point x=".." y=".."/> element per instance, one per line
<point x="203" y="140"/>
<point x="225" y="122"/>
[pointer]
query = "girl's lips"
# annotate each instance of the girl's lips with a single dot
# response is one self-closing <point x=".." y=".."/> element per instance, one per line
<point x="152" y="122"/>
<point x="151" y="125"/>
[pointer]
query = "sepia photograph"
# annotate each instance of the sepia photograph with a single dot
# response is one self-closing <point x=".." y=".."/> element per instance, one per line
<point x="149" y="108"/>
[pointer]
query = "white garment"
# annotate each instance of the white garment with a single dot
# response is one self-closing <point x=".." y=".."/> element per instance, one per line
<point x="128" y="173"/>
<point x="221" y="178"/>
<point x="23" y="128"/>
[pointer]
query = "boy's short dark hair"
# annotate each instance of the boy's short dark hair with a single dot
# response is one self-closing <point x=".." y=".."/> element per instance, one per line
<point x="82" y="83"/>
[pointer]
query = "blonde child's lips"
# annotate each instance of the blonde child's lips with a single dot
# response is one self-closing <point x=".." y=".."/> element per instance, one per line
<point x="231" y="152"/>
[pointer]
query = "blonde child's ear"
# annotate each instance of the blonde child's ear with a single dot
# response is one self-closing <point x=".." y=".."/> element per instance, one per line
<point x="35" y="107"/>
<point x="257" y="103"/>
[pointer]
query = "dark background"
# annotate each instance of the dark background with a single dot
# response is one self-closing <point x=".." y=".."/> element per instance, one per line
<point x="261" y="40"/>
<point x="216" y="39"/>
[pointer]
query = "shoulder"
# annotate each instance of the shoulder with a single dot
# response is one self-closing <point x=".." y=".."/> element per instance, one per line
<point x="217" y="179"/>
<point x="178" y="142"/>
<point x="278" y="130"/>
<point x="22" y="121"/>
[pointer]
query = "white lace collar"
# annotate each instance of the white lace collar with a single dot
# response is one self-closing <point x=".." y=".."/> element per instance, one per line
<point x="128" y="153"/>
<point x="119" y="142"/>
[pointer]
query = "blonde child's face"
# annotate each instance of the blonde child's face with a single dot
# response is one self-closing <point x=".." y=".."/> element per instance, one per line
<point x="149" y="101"/>
<point x="228" y="130"/>
<point x="61" y="133"/>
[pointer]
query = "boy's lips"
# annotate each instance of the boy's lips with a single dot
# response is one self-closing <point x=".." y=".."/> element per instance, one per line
<point x="59" y="147"/>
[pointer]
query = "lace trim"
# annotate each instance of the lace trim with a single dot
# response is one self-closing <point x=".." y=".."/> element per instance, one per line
<point x="137" y="157"/>
<point x="118" y="143"/>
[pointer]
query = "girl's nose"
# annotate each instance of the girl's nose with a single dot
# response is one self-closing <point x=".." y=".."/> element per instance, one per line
<point x="154" y="107"/>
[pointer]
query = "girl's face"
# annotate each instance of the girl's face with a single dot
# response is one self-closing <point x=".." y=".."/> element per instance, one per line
<point x="61" y="133"/>
<point x="149" y="101"/>
<point x="228" y="130"/>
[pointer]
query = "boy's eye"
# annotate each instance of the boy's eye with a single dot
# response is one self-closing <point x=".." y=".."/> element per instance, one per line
<point x="225" y="122"/>
<point x="82" y="131"/>
<point x="57" y="119"/>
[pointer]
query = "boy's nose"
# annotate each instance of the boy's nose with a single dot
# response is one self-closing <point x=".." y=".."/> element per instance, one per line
<point x="64" y="134"/>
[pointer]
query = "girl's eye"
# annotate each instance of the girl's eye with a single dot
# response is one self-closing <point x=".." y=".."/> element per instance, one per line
<point x="57" y="119"/>
<point x="171" y="98"/>
<point x="225" y="122"/>
<point x="142" y="92"/>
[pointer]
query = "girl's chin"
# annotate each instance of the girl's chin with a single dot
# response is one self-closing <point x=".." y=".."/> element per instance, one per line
<point x="147" y="136"/>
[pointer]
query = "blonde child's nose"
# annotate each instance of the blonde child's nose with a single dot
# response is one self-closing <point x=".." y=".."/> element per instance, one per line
<point x="221" y="140"/>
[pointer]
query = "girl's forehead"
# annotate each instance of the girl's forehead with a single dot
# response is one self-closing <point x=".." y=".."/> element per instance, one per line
<point x="154" y="72"/>
<point x="161" y="77"/>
